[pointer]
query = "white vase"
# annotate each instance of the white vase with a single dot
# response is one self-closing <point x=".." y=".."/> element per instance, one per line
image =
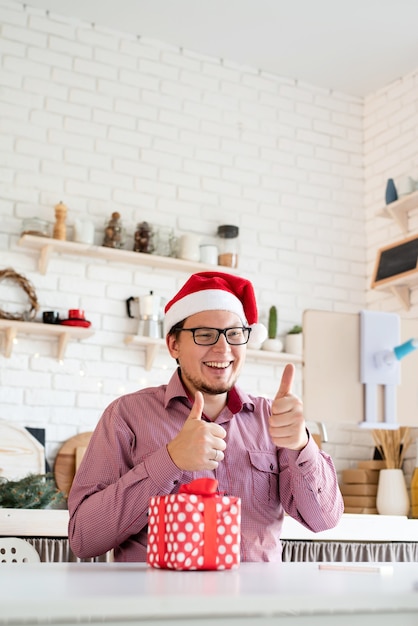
<point x="293" y="343"/>
<point x="83" y="231"/>
<point x="392" y="495"/>
<point x="272" y="345"/>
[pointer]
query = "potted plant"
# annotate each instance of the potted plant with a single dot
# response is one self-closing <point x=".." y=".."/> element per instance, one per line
<point x="272" y="343"/>
<point x="294" y="340"/>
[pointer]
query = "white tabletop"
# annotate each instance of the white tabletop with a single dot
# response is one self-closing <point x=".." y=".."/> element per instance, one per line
<point x="256" y="593"/>
<point x="54" y="523"/>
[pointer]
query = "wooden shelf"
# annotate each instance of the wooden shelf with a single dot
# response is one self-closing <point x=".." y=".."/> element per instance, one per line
<point x="47" y="246"/>
<point x="396" y="269"/>
<point x="401" y="288"/>
<point x="400" y="210"/>
<point x="152" y="347"/>
<point x="265" y="356"/>
<point x="9" y="330"/>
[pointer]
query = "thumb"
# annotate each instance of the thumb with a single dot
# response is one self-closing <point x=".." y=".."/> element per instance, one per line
<point x="286" y="382"/>
<point x="197" y="408"/>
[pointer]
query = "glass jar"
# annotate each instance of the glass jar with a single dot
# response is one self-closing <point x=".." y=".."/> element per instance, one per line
<point x="228" y="245"/>
<point x="114" y="234"/>
<point x="144" y="238"/>
<point x="35" y="226"/>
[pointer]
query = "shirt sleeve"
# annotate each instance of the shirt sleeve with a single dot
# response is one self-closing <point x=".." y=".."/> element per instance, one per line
<point x="109" y="497"/>
<point x="308" y="487"/>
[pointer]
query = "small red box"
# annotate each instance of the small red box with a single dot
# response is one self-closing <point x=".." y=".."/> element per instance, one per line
<point x="195" y="529"/>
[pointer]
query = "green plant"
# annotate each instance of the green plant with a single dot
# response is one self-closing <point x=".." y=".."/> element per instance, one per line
<point x="296" y="330"/>
<point x="272" y="323"/>
<point x="35" y="491"/>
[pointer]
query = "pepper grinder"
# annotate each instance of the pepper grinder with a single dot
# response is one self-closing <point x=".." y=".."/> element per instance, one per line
<point x="60" y="229"/>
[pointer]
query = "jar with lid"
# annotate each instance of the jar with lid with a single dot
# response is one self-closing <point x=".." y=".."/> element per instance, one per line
<point x="144" y="238"/>
<point x="228" y="245"/>
<point x="114" y="234"/>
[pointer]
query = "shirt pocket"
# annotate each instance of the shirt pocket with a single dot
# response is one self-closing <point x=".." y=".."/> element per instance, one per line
<point x="265" y="477"/>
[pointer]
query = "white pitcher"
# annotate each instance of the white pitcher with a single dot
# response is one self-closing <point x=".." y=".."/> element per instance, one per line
<point x="83" y="231"/>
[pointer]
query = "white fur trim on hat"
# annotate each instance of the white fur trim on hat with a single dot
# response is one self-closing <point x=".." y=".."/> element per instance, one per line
<point x="258" y="335"/>
<point x="204" y="300"/>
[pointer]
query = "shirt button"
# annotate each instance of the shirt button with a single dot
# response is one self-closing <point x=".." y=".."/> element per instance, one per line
<point x="271" y="466"/>
<point x="175" y="482"/>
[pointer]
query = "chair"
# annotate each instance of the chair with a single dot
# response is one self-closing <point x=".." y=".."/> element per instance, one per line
<point x="15" y="550"/>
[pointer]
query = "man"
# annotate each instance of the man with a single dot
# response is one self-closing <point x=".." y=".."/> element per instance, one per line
<point x="201" y="424"/>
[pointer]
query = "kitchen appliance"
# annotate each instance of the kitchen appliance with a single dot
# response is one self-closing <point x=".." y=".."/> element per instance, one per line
<point x="150" y="314"/>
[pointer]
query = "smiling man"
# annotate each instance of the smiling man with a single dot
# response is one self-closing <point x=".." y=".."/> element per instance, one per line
<point x="201" y="424"/>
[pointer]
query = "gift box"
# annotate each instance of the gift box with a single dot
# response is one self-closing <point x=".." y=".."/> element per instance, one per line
<point x="195" y="529"/>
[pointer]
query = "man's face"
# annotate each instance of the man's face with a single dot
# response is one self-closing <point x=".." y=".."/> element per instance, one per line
<point x="209" y="369"/>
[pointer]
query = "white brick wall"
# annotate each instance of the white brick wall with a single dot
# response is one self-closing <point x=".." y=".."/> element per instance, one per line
<point x="105" y="121"/>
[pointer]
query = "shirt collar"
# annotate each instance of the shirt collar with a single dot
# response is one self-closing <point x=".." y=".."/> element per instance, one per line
<point x="237" y="399"/>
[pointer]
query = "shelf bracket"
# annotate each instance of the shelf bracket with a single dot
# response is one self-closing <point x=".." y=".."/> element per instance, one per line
<point x="62" y="346"/>
<point x="151" y="353"/>
<point x="10" y="336"/>
<point x="44" y="256"/>
<point x="399" y="216"/>
<point x="402" y="292"/>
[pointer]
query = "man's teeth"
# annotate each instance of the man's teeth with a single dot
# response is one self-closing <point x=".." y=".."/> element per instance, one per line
<point x="216" y="364"/>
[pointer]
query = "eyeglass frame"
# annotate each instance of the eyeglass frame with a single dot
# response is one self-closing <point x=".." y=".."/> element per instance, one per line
<point x="220" y="331"/>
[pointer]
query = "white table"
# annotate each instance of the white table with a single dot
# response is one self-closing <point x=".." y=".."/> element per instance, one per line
<point x="290" y="594"/>
<point x="54" y="523"/>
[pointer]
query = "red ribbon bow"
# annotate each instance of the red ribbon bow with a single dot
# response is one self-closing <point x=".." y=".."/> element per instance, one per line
<point x="201" y="487"/>
<point x="206" y="488"/>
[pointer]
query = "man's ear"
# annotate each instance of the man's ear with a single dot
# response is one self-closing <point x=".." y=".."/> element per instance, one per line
<point x="172" y="345"/>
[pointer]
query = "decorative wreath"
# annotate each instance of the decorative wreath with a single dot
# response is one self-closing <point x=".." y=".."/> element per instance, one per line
<point x="28" y="288"/>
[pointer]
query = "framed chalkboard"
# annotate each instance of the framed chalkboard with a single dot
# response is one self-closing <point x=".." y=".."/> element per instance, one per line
<point x="396" y="260"/>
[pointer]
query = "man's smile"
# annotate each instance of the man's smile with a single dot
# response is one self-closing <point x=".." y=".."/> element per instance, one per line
<point x="218" y="364"/>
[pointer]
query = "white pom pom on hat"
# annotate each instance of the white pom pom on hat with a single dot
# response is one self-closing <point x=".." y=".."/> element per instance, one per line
<point x="212" y="291"/>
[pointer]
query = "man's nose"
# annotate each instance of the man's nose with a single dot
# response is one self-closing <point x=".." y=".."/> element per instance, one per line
<point x="222" y="343"/>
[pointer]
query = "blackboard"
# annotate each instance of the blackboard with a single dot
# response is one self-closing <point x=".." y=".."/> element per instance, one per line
<point x="396" y="259"/>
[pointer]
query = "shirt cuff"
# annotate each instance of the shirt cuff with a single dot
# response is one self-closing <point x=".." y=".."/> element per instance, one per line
<point x="308" y="454"/>
<point x="162" y="470"/>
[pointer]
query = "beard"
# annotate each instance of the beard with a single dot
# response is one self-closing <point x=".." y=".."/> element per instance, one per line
<point x="201" y="385"/>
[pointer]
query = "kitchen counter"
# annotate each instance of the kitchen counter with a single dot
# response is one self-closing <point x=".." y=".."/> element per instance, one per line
<point x="289" y="594"/>
<point x="53" y="523"/>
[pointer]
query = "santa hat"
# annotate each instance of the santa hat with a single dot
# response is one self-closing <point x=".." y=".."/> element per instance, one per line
<point x="210" y="291"/>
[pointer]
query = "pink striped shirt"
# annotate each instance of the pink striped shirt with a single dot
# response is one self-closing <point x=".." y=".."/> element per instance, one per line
<point x="127" y="462"/>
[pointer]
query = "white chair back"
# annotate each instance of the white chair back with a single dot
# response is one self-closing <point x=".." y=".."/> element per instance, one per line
<point x="15" y="550"/>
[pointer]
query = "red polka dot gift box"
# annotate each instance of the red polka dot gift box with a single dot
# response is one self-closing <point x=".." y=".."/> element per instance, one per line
<point x="195" y="529"/>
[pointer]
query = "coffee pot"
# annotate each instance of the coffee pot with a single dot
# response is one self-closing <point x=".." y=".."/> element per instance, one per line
<point x="150" y="314"/>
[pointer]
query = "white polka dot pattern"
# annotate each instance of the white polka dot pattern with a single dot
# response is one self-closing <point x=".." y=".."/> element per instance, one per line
<point x="177" y="532"/>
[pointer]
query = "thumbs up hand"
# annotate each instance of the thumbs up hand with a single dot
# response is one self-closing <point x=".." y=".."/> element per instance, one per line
<point x="199" y="445"/>
<point x="286" y="424"/>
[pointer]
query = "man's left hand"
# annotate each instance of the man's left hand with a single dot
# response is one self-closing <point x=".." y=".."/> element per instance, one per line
<point x="287" y="425"/>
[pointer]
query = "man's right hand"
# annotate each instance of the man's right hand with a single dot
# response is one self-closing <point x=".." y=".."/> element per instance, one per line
<point x="199" y="445"/>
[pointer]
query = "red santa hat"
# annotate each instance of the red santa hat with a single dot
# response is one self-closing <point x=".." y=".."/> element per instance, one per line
<point x="210" y="291"/>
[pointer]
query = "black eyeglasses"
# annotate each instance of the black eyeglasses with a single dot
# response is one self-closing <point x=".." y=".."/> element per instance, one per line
<point x="235" y="336"/>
